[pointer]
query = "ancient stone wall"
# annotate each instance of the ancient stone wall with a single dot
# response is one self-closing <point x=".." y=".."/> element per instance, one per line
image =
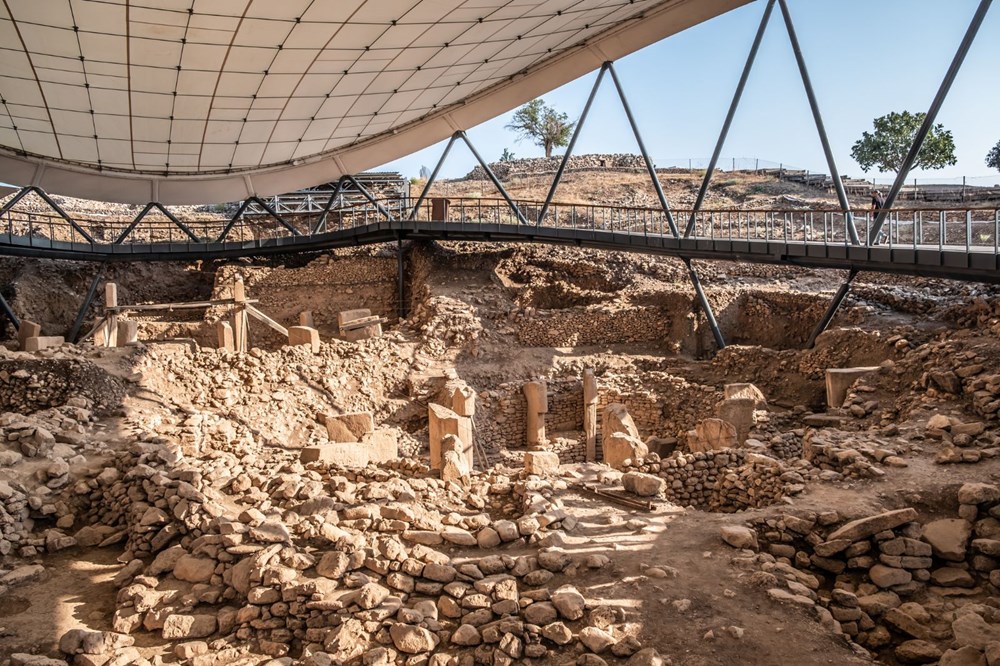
<point x="725" y="481"/>
<point x="661" y="405"/>
<point x="325" y="286"/>
<point x="541" y="165"/>
<point x="569" y="450"/>
<point x="501" y="418"/>
<point x="565" y="407"/>
<point x="592" y="326"/>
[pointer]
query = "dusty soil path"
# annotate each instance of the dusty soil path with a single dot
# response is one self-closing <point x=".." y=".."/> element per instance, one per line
<point x="75" y="591"/>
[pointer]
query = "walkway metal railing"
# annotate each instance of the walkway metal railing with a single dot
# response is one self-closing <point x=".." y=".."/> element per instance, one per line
<point x="961" y="229"/>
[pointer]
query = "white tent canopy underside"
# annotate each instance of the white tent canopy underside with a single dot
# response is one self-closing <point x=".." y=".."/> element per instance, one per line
<point x="197" y="101"/>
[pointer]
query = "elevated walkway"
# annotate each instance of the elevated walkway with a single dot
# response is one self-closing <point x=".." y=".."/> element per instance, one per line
<point x="955" y="244"/>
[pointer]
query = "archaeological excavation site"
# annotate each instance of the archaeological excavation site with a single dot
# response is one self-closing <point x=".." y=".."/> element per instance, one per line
<point x="450" y="452"/>
<point x="268" y="397"/>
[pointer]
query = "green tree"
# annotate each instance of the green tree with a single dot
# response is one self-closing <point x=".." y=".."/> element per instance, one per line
<point x="888" y="145"/>
<point x="507" y="155"/>
<point x="543" y="125"/>
<point x="993" y="157"/>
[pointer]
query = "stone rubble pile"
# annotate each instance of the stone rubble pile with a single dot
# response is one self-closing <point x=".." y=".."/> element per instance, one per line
<point x="31" y="382"/>
<point x="334" y="566"/>
<point x="42" y="467"/>
<point x="278" y="392"/>
<point x="889" y="581"/>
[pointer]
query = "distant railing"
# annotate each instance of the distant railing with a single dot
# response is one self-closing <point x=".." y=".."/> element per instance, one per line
<point x="971" y="229"/>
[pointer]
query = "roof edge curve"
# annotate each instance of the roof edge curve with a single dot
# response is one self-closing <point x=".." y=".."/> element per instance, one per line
<point x="671" y="17"/>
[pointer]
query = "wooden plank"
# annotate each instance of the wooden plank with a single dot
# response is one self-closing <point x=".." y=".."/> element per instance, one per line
<point x="94" y="330"/>
<point x="361" y="323"/>
<point x="260" y="316"/>
<point x="190" y="305"/>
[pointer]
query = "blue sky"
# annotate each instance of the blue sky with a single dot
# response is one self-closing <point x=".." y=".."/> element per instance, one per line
<point x="866" y="58"/>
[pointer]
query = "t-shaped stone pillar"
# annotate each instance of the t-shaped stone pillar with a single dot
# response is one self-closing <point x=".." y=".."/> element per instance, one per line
<point x="441" y="422"/>
<point x="463" y="399"/>
<point x="590" y="413"/>
<point x="224" y="331"/>
<point x="536" y="393"/>
<point x="304" y="335"/>
<point x="28" y="329"/>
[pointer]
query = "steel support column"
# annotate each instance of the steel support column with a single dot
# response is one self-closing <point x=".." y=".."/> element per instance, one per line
<point x="232" y="221"/>
<point x="838" y="300"/>
<point x="434" y="175"/>
<point x="51" y="203"/>
<point x="705" y="305"/>
<point x="838" y="182"/>
<point x="399" y="277"/>
<point x="135" y="222"/>
<point x="9" y="313"/>
<point x="642" y="149"/>
<point x="918" y="141"/>
<point x="727" y="125"/>
<point x="493" y="177"/>
<point x="74" y="332"/>
<point x="321" y="222"/>
<point x="572" y="141"/>
<point x="173" y="218"/>
<point x="368" y="195"/>
<point x="145" y="211"/>
<point x="270" y="211"/>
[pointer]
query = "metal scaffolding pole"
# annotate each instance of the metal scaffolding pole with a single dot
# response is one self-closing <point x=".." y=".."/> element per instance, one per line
<point x="52" y="204"/>
<point x="918" y="141"/>
<point x="838" y="182"/>
<point x="642" y="148"/>
<point x="74" y="332"/>
<point x="838" y="300"/>
<point x="232" y="221"/>
<point x="5" y="306"/>
<point x="705" y="305"/>
<point x="399" y="273"/>
<point x="727" y="125"/>
<point x="321" y="222"/>
<point x="371" y="199"/>
<point x="572" y="141"/>
<point x="493" y="177"/>
<point x="434" y="175"/>
<point x="270" y="211"/>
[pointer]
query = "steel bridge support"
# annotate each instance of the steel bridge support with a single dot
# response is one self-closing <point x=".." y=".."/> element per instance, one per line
<point x="9" y="313"/>
<point x="460" y="134"/>
<point x="572" y="141"/>
<point x="838" y="183"/>
<point x="145" y="211"/>
<point x="321" y="222"/>
<point x="25" y="191"/>
<point x="727" y="125"/>
<point x="642" y="149"/>
<point x="433" y="178"/>
<point x="267" y="208"/>
<point x="399" y="278"/>
<point x="74" y="332"/>
<point x="368" y="195"/>
<point x="493" y="178"/>
<point x="918" y="141"/>
<point x="609" y="67"/>
<point x="831" y="312"/>
<point x="705" y="305"/>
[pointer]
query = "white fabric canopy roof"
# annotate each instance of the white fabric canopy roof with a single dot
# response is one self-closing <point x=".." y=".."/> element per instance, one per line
<point x="195" y="101"/>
